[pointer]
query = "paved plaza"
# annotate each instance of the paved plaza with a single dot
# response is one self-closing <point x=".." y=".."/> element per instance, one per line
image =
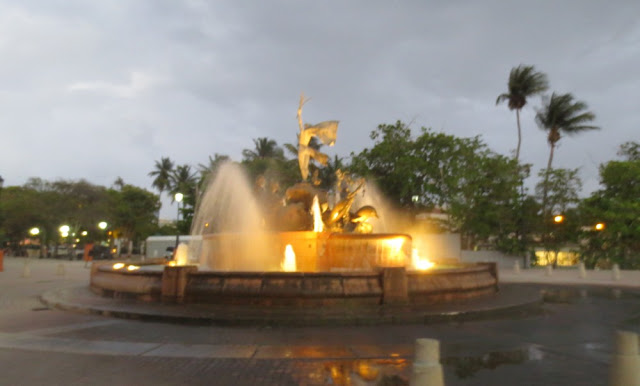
<point x="565" y="341"/>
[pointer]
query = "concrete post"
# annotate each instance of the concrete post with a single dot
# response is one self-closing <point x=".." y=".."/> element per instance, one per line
<point x="26" y="269"/>
<point x="616" y="272"/>
<point x="582" y="272"/>
<point x="427" y="369"/>
<point x="395" y="286"/>
<point x="625" y="364"/>
<point x="174" y="282"/>
<point x="60" y="270"/>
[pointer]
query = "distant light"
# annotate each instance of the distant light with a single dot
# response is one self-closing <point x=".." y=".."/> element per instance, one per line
<point x="179" y="197"/>
<point x="206" y="225"/>
<point x="102" y="225"/>
<point x="34" y="231"/>
<point x="64" y="234"/>
<point x="64" y="229"/>
<point x="558" y="219"/>
<point x="415" y="198"/>
<point x="599" y="226"/>
<point x="132" y="268"/>
<point x="84" y="233"/>
<point x="118" y="266"/>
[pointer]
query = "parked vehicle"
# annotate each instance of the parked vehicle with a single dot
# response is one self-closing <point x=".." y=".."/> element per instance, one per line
<point x="101" y="252"/>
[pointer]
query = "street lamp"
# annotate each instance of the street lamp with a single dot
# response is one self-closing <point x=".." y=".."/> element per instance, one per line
<point x="102" y="225"/>
<point x="34" y="231"/>
<point x="178" y="197"/>
<point x="64" y="230"/>
<point x="558" y="219"/>
<point x="599" y="226"/>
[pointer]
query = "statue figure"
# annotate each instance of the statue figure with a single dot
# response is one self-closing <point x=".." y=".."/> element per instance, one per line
<point x="325" y="131"/>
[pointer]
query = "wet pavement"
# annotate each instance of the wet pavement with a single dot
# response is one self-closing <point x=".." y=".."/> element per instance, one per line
<point x="567" y="341"/>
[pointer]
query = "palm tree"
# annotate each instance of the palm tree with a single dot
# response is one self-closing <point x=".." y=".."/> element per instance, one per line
<point x="561" y="114"/>
<point x="524" y="82"/>
<point x="212" y="166"/>
<point x="183" y="180"/>
<point x="264" y="148"/>
<point x="162" y="174"/>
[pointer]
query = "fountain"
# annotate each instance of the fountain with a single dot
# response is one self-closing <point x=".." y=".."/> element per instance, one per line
<point x="304" y="247"/>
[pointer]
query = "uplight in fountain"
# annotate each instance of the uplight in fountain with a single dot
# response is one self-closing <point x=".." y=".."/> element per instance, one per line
<point x="289" y="263"/>
<point x="318" y="225"/>
<point x="394" y="249"/>
<point x="118" y="266"/>
<point x="132" y="268"/>
<point x="420" y="263"/>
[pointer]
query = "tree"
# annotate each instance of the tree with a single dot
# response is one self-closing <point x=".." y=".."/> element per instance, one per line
<point x="561" y="114"/>
<point x="133" y="212"/>
<point x="524" y="82"/>
<point x="264" y="148"/>
<point x="185" y="181"/>
<point x="617" y="207"/>
<point x="475" y="186"/>
<point x="162" y="173"/>
<point x="560" y="190"/>
<point x="213" y="165"/>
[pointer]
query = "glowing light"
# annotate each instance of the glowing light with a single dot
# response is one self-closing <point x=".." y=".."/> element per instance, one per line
<point x="64" y="234"/>
<point x="420" y="263"/>
<point x="318" y="225"/>
<point x="178" y="197"/>
<point x="102" y="225"/>
<point x="599" y="226"/>
<point x="394" y="248"/>
<point x="172" y="263"/>
<point x="132" y="268"/>
<point x="182" y="254"/>
<point x="84" y="233"/>
<point x="34" y="231"/>
<point x="118" y="266"/>
<point x="65" y="229"/>
<point x="289" y="263"/>
<point x="558" y="219"/>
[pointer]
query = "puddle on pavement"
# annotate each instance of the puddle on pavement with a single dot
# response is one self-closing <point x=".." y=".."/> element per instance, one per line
<point x="584" y="295"/>
<point x="397" y="371"/>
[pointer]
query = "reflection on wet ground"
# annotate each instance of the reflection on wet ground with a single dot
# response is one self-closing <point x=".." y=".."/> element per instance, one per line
<point x="398" y="371"/>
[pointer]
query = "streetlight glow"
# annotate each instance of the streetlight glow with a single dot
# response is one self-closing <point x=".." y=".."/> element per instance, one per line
<point x="599" y="226"/>
<point x="64" y="229"/>
<point x="34" y="231"/>
<point x="84" y="233"/>
<point x="178" y="197"/>
<point x="102" y="225"/>
<point x="558" y="219"/>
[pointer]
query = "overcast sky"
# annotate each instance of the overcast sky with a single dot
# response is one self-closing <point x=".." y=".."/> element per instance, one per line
<point x="101" y="89"/>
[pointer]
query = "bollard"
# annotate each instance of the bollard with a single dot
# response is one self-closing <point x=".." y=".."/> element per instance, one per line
<point x="616" y="272"/>
<point x="427" y="369"/>
<point x="625" y="365"/>
<point x="549" y="270"/>
<point x="60" y="270"/>
<point x="516" y="267"/>
<point x="582" y="272"/>
<point x="26" y="269"/>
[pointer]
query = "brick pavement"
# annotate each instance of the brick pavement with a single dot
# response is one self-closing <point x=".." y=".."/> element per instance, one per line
<point x="568" y="343"/>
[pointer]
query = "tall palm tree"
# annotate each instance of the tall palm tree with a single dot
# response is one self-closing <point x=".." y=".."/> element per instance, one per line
<point x="162" y="174"/>
<point x="562" y="114"/>
<point x="264" y="148"/>
<point x="524" y="82"/>
<point x="183" y="180"/>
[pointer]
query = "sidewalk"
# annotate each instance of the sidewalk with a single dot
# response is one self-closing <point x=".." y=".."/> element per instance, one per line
<point x="571" y="276"/>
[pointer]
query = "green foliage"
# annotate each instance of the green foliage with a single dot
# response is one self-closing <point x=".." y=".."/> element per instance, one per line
<point x="133" y="212"/>
<point x="524" y="82"/>
<point x="617" y="206"/>
<point x="475" y="186"/>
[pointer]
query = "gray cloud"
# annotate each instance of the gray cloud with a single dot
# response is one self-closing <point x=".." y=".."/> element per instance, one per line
<point x="102" y="89"/>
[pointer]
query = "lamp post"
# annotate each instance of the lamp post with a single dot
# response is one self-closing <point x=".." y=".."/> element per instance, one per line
<point x="178" y="197"/>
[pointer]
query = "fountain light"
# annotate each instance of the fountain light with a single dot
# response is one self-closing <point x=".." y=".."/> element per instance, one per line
<point x="318" y="225"/>
<point x="132" y="268"/>
<point x="420" y="263"/>
<point x="118" y="266"/>
<point x="289" y="263"/>
<point x="394" y="249"/>
<point x="182" y="254"/>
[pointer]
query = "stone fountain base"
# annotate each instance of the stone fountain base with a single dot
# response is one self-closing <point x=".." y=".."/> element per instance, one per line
<point x="389" y="285"/>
